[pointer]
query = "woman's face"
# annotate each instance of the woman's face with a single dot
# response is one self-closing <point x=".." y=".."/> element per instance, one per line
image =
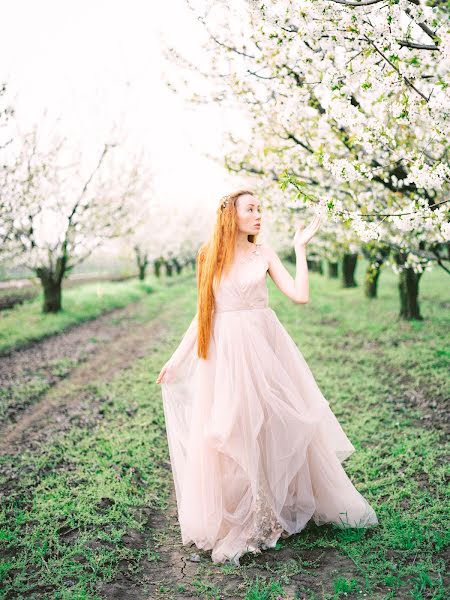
<point x="248" y="214"/>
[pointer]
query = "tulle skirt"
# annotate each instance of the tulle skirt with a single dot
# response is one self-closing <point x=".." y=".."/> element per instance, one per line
<point x="255" y="449"/>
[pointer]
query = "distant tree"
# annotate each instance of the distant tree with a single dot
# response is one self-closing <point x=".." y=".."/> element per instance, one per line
<point x="168" y="236"/>
<point x="142" y="261"/>
<point x="60" y="212"/>
<point x="7" y="113"/>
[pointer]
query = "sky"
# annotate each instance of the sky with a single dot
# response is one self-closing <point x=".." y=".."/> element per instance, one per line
<point x="88" y="64"/>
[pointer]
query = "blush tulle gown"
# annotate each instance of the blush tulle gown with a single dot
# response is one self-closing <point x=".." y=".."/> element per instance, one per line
<point x="255" y="449"/>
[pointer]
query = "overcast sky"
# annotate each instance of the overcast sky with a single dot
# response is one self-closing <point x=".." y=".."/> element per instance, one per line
<point x="89" y="62"/>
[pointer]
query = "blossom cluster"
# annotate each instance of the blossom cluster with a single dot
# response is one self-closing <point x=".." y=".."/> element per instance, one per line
<point x="353" y="102"/>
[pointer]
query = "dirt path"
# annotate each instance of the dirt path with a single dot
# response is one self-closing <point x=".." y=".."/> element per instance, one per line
<point x="120" y="338"/>
<point x="51" y="359"/>
<point x="184" y="572"/>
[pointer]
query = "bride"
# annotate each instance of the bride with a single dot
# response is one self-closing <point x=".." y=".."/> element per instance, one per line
<point x="255" y="448"/>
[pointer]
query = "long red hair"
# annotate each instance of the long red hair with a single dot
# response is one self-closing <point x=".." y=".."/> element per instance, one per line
<point x="214" y="258"/>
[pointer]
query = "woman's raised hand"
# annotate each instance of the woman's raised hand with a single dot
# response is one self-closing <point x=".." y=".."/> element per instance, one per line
<point x="304" y="234"/>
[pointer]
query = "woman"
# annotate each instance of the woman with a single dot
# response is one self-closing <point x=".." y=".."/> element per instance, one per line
<point x="255" y="449"/>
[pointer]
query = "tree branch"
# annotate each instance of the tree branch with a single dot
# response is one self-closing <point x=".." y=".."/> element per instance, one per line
<point x="417" y="45"/>
<point x="407" y="81"/>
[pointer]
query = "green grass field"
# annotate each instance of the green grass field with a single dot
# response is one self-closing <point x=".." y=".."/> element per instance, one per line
<point x="27" y="323"/>
<point x="68" y="503"/>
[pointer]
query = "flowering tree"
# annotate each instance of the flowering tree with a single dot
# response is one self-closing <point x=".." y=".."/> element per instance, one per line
<point x="349" y="109"/>
<point x="168" y="236"/>
<point x="61" y="211"/>
<point x="6" y="223"/>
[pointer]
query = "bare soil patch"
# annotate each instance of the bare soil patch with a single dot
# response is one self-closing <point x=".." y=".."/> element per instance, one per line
<point x="185" y="572"/>
<point x="104" y="346"/>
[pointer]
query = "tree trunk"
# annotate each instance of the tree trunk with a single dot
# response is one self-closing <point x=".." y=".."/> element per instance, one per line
<point x="51" y="280"/>
<point x="52" y="295"/>
<point x="142" y="270"/>
<point x="408" y="286"/>
<point x="371" y="281"/>
<point x="333" y="270"/>
<point x="157" y="267"/>
<point x="142" y="261"/>
<point x="177" y="265"/>
<point x="319" y="267"/>
<point x="314" y="265"/>
<point x="376" y="253"/>
<point x="348" y="270"/>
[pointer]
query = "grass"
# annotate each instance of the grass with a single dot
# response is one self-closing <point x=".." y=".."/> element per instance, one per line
<point x="80" y="304"/>
<point x="68" y="504"/>
<point x="26" y="391"/>
<point x="52" y="519"/>
<point x="366" y="360"/>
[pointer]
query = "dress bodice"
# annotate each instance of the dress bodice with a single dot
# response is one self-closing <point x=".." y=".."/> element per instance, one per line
<point x="244" y="286"/>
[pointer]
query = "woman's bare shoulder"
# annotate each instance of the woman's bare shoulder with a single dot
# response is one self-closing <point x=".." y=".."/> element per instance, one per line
<point x="266" y="249"/>
<point x="268" y="253"/>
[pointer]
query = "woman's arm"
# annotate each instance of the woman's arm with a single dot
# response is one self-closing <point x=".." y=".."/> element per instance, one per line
<point x="296" y="289"/>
